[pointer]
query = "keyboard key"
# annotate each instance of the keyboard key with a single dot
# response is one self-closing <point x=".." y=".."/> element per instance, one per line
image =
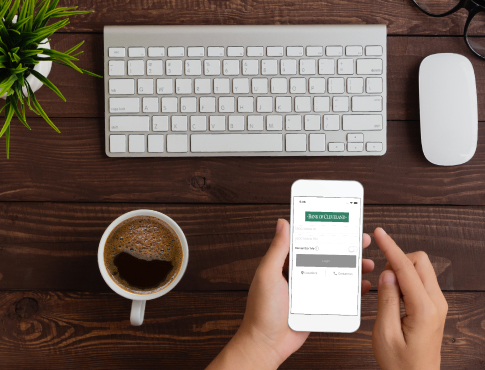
<point x="240" y="86"/>
<point x="215" y="51"/>
<point x="341" y="104"/>
<point x="217" y="123"/>
<point x="283" y="104"/>
<point x="136" y="52"/>
<point x="160" y="123"/>
<point x="121" y="86"/>
<point x="174" y="67"/>
<point x="326" y="66"/>
<point x="334" y="51"/>
<point x="154" y="67"/>
<point x="373" y="147"/>
<point x="369" y="66"/>
<point x="231" y="67"/>
<point x="198" y="123"/>
<point x="259" y="85"/>
<point x="193" y="67"/>
<point x="164" y="86"/>
<point x="245" y="104"/>
<point x="275" y="51"/>
<point x="170" y="105"/>
<point x="316" y="85"/>
<point x="264" y="104"/>
<point x="321" y="104"/>
<point x="236" y="123"/>
<point x="255" y="51"/>
<point x="373" y="85"/>
<point x="136" y="143"/>
<point x="255" y="123"/>
<point x="317" y="143"/>
<point x="124" y="105"/>
<point x="250" y="67"/>
<point x="298" y="85"/>
<point x="362" y="122"/>
<point x="150" y="105"/>
<point x="179" y="123"/>
<point x="353" y="51"/>
<point x="279" y="85"/>
<point x="293" y="122"/>
<point x="355" y="147"/>
<point x="312" y="122"/>
<point x="294" y="51"/>
<point x="288" y="66"/>
<point x="129" y="123"/>
<point x="212" y="67"/>
<point x="234" y="143"/>
<point x="373" y="50"/>
<point x="136" y="67"/>
<point x="355" y="85"/>
<point x="117" y="143"/>
<point x="307" y="66"/>
<point x="355" y="138"/>
<point x="183" y="86"/>
<point x="345" y="66"/>
<point x="116" y="52"/>
<point x="196" y="51"/>
<point x="269" y="67"/>
<point x="156" y="143"/>
<point x="235" y="51"/>
<point x="145" y="86"/>
<point x="116" y="67"/>
<point x="226" y="104"/>
<point x="296" y="142"/>
<point x="274" y="123"/>
<point x="303" y="104"/>
<point x="176" y="51"/>
<point x="221" y="86"/>
<point x="207" y="105"/>
<point x="314" y="51"/>
<point x="202" y="85"/>
<point x="331" y="122"/>
<point x="336" y="147"/>
<point x="156" y="51"/>
<point x="336" y="85"/>
<point x="367" y="103"/>
<point x="177" y="143"/>
<point x="188" y="105"/>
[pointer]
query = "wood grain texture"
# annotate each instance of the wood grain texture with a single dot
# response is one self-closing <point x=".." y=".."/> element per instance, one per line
<point x="53" y="330"/>
<point x="401" y="17"/>
<point x="72" y="166"/>
<point x="85" y="94"/>
<point x="53" y="246"/>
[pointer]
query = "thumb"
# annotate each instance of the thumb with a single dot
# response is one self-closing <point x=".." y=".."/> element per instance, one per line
<point x="388" y="321"/>
<point x="274" y="258"/>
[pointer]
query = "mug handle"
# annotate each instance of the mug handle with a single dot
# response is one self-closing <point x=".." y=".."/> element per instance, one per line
<point x="137" y="312"/>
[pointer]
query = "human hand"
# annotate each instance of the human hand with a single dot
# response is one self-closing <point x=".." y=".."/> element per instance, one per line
<point x="264" y="339"/>
<point x="413" y="342"/>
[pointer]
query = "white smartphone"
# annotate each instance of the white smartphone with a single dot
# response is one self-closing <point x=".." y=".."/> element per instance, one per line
<point x="325" y="271"/>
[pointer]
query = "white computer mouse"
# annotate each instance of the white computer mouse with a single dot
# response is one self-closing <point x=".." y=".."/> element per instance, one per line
<point x="448" y="109"/>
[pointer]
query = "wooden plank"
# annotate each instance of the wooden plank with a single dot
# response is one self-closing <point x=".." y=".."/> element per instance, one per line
<point x="85" y="94"/>
<point x="53" y="330"/>
<point x="401" y="17"/>
<point x="72" y="166"/>
<point x="53" y="246"/>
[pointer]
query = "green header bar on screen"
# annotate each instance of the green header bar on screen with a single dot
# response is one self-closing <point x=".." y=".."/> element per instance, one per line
<point x="327" y="216"/>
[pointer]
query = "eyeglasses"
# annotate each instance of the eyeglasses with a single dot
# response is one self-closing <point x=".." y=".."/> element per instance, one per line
<point x="475" y="23"/>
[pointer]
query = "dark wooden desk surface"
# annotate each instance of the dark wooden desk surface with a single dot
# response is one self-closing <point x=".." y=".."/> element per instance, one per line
<point x="59" y="192"/>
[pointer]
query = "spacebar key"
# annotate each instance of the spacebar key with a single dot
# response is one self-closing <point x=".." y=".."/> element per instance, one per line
<point x="234" y="143"/>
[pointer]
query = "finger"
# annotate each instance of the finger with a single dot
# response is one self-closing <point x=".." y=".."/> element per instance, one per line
<point x="366" y="239"/>
<point x="366" y="285"/>
<point x="388" y="320"/>
<point x="274" y="258"/>
<point x="414" y="294"/>
<point x="367" y="266"/>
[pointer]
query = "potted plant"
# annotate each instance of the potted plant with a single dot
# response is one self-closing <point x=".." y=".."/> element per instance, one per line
<point x="26" y="56"/>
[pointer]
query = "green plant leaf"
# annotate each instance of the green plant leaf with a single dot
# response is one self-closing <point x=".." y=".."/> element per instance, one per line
<point x="48" y="83"/>
<point x="8" y="118"/>
<point x="39" y="109"/>
<point x="7" y="141"/>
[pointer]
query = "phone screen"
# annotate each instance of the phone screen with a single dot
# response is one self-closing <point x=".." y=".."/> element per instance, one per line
<point x="325" y="256"/>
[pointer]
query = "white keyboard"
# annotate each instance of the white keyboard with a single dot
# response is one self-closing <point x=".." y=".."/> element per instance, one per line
<point x="193" y="91"/>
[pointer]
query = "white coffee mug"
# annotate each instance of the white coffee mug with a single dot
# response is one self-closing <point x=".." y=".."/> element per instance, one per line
<point x="139" y="300"/>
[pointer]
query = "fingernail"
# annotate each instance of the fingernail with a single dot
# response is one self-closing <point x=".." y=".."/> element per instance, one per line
<point x="388" y="277"/>
<point x="279" y="225"/>
<point x="384" y="231"/>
